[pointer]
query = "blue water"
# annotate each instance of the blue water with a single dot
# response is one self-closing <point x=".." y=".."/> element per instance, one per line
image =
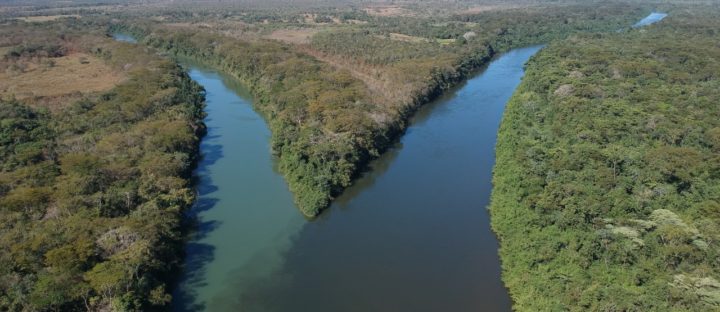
<point x="650" y="19"/>
<point x="124" y="38"/>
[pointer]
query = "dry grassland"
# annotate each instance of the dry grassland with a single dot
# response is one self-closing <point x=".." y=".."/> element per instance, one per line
<point x="490" y="7"/>
<point x="293" y="36"/>
<point x="75" y="73"/>
<point x="45" y="18"/>
<point x="388" y="10"/>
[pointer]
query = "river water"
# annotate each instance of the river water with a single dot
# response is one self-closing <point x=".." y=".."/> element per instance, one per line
<point x="413" y="234"/>
<point x="650" y="19"/>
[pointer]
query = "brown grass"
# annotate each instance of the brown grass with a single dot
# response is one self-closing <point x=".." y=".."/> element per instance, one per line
<point x="489" y="7"/>
<point x="384" y="89"/>
<point x="68" y="76"/>
<point x="388" y="10"/>
<point x="190" y="25"/>
<point x="293" y="36"/>
<point x="407" y="38"/>
<point x="45" y="18"/>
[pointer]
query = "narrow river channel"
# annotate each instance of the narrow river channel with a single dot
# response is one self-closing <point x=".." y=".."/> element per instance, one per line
<point x="413" y="234"/>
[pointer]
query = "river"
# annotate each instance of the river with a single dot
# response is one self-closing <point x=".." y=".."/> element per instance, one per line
<point x="412" y="234"/>
<point x="650" y="19"/>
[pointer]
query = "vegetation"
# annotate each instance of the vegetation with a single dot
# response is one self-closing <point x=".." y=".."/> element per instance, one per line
<point x="331" y="108"/>
<point x="606" y="190"/>
<point x="92" y="192"/>
<point x="607" y="173"/>
<point x="318" y="116"/>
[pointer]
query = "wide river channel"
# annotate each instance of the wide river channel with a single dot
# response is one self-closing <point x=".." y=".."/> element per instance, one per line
<point x="413" y="234"/>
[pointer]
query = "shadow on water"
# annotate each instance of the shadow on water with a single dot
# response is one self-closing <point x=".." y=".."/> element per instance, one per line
<point x="379" y="166"/>
<point x="199" y="255"/>
<point x="375" y="169"/>
<point x="244" y="214"/>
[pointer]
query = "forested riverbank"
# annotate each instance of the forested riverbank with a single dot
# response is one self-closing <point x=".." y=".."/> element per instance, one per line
<point x="606" y="185"/>
<point x="329" y="120"/>
<point x="318" y="116"/>
<point x="99" y="139"/>
<point x="93" y="182"/>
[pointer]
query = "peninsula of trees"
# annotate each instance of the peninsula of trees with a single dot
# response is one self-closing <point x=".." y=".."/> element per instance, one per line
<point x="340" y="98"/>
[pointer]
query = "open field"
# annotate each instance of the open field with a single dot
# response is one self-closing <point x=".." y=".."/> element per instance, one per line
<point x="78" y="72"/>
<point x="487" y="8"/>
<point x="294" y="36"/>
<point x="45" y="18"/>
<point x="388" y="10"/>
<point x="407" y="38"/>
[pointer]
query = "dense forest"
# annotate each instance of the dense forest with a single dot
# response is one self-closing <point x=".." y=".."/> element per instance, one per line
<point x="331" y="109"/>
<point x="319" y="118"/>
<point x="606" y="190"/>
<point x="93" y="184"/>
<point x="606" y="185"/>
